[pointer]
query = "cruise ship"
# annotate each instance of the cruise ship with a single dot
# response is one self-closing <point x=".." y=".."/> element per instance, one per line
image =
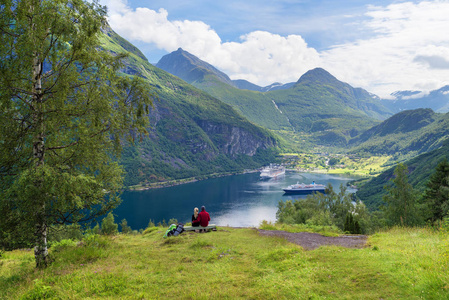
<point x="272" y="171"/>
<point x="301" y="188"/>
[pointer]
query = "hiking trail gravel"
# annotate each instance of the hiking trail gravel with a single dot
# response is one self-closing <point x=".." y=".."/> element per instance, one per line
<point x="310" y="241"/>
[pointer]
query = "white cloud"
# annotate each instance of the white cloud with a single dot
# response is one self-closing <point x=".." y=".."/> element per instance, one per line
<point x="408" y="48"/>
<point x="260" y="57"/>
<point x="408" y="51"/>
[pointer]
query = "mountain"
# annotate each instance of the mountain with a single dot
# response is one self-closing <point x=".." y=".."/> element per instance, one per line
<point x="189" y="68"/>
<point x="410" y="133"/>
<point x="317" y="104"/>
<point x="277" y="86"/>
<point x="437" y="100"/>
<point x="331" y="110"/>
<point x="420" y="169"/>
<point x="318" y="86"/>
<point x="191" y="133"/>
<point x="246" y="85"/>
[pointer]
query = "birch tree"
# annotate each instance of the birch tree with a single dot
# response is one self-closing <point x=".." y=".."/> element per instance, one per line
<point x="64" y="111"/>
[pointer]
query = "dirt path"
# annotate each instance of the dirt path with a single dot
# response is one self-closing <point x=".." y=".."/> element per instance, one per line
<point x="310" y="241"/>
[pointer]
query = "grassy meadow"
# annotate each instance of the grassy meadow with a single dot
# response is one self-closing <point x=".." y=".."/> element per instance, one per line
<point x="232" y="263"/>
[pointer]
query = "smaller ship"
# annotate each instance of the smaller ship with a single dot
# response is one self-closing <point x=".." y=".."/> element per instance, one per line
<point x="301" y="188"/>
<point x="272" y="171"/>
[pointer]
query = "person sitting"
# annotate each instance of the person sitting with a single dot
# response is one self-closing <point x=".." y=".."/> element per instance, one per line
<point x="195" y="219"/>
<point x="204" y="217"/>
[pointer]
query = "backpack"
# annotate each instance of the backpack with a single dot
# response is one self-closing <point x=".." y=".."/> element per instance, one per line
<point x="179" y="229"/>
<point x="170" y="231"/>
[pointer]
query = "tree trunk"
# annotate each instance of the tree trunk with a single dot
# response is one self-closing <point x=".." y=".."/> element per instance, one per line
<point x="40" y="249"/>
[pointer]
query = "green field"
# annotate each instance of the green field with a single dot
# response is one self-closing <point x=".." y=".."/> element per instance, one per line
<point x="350" y="165"/>
<point x="233" y="263"/>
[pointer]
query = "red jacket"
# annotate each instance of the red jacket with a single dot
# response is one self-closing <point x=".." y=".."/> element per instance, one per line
<point x="204" y="218"/>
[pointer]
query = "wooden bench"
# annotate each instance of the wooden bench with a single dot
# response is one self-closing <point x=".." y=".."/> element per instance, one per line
<point x="191" y="228"/>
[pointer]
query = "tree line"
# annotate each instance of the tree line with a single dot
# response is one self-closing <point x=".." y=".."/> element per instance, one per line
<point x="403" y="205"/>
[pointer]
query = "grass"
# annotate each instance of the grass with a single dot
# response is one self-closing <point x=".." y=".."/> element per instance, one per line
<point x="323" y="230"/>
<point x="231" y="264"/>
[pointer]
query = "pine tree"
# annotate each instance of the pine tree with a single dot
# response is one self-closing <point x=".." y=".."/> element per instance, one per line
<point x="351" y="223"/>
<point x="347" y="226"/>
<point x="437" y="192"/>
<point x="64" y="110"/>
<point x="357" y="229"/>
<point x="401" y="200"/>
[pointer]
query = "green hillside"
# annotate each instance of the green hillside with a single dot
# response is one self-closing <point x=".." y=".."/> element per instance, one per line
<point x="401" y="263"/>
<point x="255" y="106"/>
<point x="420" y="168"/>
<point x="332" y="110"/>
<point x="404" y="135"/>
<point x="192" y="133"/>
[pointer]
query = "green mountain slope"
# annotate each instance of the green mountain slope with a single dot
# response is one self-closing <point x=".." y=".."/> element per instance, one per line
<point x="255" y="106"/>
<point x="420" y="168"/>
<point x="407" y="133"/>
<point x="192" y="133"/>
<point x="330" y="109"/>
<point x="330" y="112"/>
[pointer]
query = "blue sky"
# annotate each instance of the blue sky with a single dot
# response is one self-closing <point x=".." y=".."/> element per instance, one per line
<point x="382" y="46"/>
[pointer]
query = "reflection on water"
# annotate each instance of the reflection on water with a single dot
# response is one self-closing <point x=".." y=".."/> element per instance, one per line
<point x="238" y="201"/>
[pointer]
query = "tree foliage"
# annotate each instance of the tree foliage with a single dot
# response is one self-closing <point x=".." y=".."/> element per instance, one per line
<point x="327" y="209"/>
<point x="63" y="112"/>
<point x="125" y="227"/>
<point x="437" y="192"/>
<point x="108" y="225"/>
<point x="401" y="201"/>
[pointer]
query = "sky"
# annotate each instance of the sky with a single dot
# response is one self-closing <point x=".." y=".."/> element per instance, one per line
<point x="381" y="46"/>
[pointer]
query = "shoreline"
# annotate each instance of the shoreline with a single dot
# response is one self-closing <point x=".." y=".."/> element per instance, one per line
<point x="171" y="183"/>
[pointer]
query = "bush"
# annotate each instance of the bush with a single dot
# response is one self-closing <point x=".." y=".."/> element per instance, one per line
<point x="57" y="246"/>
<point x="108" y="225"/>
<point x="65" y="232"/>
<point x="96" y="229"/>
<point x="264" y="225"/>
<point x="330" y="209"/>
<point x="125" y="228"/>
<point x="173" y="221"/>
<point x="151" y="223"/>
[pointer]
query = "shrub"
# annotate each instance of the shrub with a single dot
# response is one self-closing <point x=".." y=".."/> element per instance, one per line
<point x="173" y="221"/>
<point x="65" y="232"/>
<point x="96" y="229"/>
<point x="125" y="228"/>
<point x="108" y="225"/>
<point x="57" y="246"/>
<point x="264" y="225"/>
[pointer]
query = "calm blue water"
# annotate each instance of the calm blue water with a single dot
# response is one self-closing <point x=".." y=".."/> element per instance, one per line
<point x="238" y="201"/>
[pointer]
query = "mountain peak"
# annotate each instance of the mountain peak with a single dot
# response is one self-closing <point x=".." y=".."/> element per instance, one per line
<point x="318" y="75"/>
<point x="189" y="67"/>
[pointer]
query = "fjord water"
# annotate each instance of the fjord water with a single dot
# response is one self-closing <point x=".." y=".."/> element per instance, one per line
<point x="238" y="201"/>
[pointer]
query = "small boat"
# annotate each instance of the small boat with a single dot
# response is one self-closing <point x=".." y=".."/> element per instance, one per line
<point x="301" y="188"/>
<point x="272" y="171"/>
